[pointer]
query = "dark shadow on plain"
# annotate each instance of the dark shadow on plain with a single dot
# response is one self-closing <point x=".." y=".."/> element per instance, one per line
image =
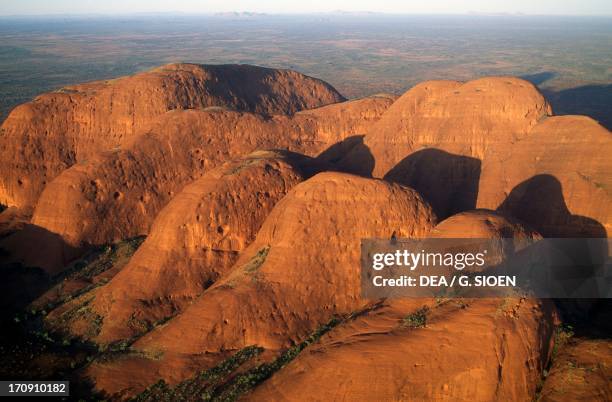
<point x="539" y="202"/>
<point x="448" y="182"/>
<point x="350" y="155"/>
<point x="590" y="100"/>
<point x="539" y="78"/>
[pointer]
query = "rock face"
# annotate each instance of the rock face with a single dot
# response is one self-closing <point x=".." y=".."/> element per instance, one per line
<point x="556" y="179"/>
<point x="12" y="220"/>
<point x="377" y="358"/>
<point x="341" y="126"/>
<point x="387" y="355"/>
<point x="41" y="138"/>
<point x="434" y="137"/>
<point x="483" y="224"/>
<point x="493" y="143"/>
<point x="195" y="239"/>
<point x="581" y="372"/>
<point x="302" y="268"/>
<point x="117" y="195"/>
<point x="487" y="224"/>
<point x="448" y="182"/>
<point x="460" y="118"/>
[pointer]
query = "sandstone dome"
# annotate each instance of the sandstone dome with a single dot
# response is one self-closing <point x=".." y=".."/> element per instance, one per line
<point x="302" y="268"/>
<point x="387" y="354"/>
<point x="56" y="130"/>
<point x="196" y="239"/>
<point x="116" y="194"/>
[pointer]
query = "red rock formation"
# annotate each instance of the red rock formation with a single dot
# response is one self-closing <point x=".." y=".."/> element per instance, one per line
<point x="464" y="119"/>
<point x="195" y="239"/>
<point x="117" y="158"/>
<point x="117" y="195"/>
<point x="580" y="372"/>
<point x="483" y="224"/>
<point x="41" y="138"/>
<point x="557" y="179"/>
<point x="467" y="349"/>
<point x="479" y="351"/>
<point x="302" y="268"/>
<point x="492" y="143"/>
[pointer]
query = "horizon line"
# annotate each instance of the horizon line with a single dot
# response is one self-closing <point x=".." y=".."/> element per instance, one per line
<point x="308" y="13"/>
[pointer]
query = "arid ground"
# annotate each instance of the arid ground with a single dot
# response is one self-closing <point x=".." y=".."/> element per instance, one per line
<point x="569" y="58"/>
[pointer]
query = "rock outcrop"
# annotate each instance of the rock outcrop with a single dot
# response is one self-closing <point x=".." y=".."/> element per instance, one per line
<point x="556" y="179"/>
<point x="41" y="138"/>
<point x="580" y="372"/>
<point x="196" y="239"/>
<point x="424" y="349"/>
<point x="493" y="143"/>
<point x="302" y="268"/>
<point x="248" y="247"/>
<point x="460" y="118"/>
<point x="116" y="195"/>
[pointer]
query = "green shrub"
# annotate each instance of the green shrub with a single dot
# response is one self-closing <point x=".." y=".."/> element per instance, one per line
<point x="563" y="333"/>
<point x="418" y="319"/>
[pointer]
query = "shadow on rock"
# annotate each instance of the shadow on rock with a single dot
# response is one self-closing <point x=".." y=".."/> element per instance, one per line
<point x="306" y="165"/>
<point x="360" y="160"/>
<point x="448" y="182"/>
<point x="34" y="246"/>
<point x="539" y="202"/>
<point x="20" y="286"/>
<point x="250" y="86"/>
<point x="29" y="258"/>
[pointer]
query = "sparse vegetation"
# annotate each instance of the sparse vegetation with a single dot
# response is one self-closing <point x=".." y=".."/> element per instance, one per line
<point x="34" y="347"/>
<point x="257" y="260"/>
<point x="89" y="267"/>
<point x="211" y="387"/>
<point x="138" y="325"/>
<point x="245" y="163"/>
<point x="563" y="334"/>
<point x="66" y="91"/>
<point x="142" y="327"/>
<point x="82" y="312"/>
<point x="202" y="384"/>
<point x="417" y="319"/>
<point x="226" y="382"/>
<point x="590" y="180"/>
<point x="503" y="306"/>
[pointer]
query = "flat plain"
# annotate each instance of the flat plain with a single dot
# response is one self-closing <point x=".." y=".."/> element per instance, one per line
<point x="569" y="58"/>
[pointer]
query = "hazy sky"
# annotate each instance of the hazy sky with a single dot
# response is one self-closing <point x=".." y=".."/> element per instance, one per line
<point x="581" y="7"/>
